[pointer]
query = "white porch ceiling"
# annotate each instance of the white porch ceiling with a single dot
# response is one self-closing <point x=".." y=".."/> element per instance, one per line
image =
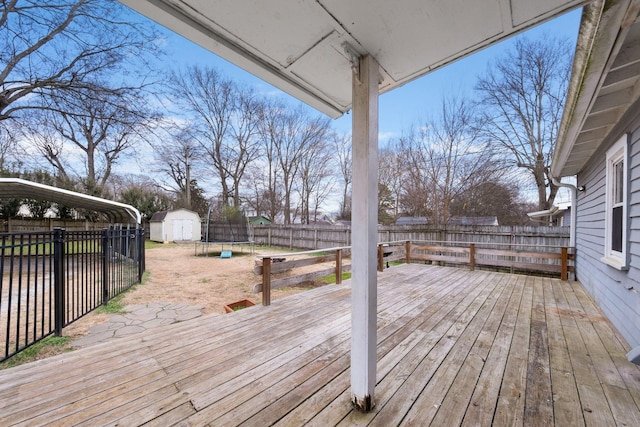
<point x="299" y="45"/>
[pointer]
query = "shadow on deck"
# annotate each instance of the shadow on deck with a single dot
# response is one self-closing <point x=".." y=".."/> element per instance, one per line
<point x="454" y="348"/>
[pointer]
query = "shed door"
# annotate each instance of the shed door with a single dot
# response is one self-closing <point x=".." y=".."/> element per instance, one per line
<point x="182" y="229"/>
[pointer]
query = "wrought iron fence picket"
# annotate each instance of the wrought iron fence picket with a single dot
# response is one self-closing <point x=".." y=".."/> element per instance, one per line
<point x="50" y="279"/>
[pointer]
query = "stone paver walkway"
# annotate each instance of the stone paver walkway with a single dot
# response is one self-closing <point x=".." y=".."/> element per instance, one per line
<point x="137" y="319"/>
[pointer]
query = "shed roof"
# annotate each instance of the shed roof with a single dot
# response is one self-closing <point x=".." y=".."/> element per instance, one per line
<point x="308" y="48"/>
<point x="17" y="188"/>
<point x="161" y="215"/>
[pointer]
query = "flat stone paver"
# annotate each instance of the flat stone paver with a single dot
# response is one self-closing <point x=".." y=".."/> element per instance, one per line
<point x="137" y="319"/>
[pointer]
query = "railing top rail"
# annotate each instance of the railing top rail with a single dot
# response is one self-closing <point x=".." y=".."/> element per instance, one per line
<point x="459" y="243"/>
<point x="396" y="242"/>
<point x="278" y="255"/>
<point x="418" y="242"/>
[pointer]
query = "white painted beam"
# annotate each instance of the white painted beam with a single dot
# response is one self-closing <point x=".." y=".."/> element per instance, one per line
<point x="364" y="220"/>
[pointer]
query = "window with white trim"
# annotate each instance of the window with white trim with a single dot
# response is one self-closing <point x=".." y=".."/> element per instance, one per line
<point x="615" y="251"/>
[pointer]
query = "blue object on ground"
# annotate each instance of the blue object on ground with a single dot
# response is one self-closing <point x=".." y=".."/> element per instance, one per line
<point x="225" y="254"/>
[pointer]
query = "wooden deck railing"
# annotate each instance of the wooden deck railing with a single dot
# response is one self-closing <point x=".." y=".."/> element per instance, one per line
<point x="516" y="258"/>
<point x="270" y="265"/>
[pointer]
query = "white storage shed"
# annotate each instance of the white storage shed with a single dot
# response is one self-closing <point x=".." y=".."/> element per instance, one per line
<point x="180" y="225"/>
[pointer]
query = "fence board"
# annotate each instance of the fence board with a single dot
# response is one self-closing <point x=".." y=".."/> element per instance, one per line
<point x="533" y="238"/>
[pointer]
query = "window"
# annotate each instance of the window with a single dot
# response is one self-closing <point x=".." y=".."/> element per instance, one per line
<point x="615" y="251"/>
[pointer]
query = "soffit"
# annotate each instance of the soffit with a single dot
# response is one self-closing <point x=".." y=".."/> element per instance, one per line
<point x="605" y="83"/>
<point x="299" y="46"/>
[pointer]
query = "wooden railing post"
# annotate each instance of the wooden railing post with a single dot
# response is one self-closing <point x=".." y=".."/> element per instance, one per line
<point x="338" y="266"/>
<point x="472" y="256"/>
<point x="564" y="260"/>
<point x="266" y="281"/>
<point x="407" y="250"/>
<point x="380" y="257"/>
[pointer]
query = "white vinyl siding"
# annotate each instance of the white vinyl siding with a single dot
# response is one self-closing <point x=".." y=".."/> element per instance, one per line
<point x="616" y="291"/>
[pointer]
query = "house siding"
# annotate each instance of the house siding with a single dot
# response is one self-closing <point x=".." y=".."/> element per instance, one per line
<point x="616" y="292"/>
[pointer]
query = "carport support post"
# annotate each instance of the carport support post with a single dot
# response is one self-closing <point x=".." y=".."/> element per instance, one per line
<point x="364" y="220"/>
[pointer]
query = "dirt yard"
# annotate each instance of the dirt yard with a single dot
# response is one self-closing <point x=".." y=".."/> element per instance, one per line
<point x="181" y="273"/>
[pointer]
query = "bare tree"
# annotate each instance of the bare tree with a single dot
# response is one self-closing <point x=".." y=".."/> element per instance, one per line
<point x="60" y="46"/>
<point x="445" y="158"/>
<point x="8" y="149"/>
<point x="101" y="127"/>
<point x="142" y="193"/>
<point x="226" y="120"/>
<point x="272" y="191"/>
<point x="391" y="177"/>
<point x="209" y="99"/>
<point x="288" y="133"/>
<point x="179" y="158"/>
<point x="315" y="183"/>
<point x="522" y="97"/>
<point x="245" y="137"/>
<point x="343" y="153"/>
<point x="257" y="197"/>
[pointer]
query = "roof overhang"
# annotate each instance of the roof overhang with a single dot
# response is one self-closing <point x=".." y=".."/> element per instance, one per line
<point x="308" y="48"/>
<point x="15" y="188"/>
<point x="604" y="85"/>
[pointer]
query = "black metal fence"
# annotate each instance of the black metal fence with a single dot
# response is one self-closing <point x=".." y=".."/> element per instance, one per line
<point x="51" y="279"/>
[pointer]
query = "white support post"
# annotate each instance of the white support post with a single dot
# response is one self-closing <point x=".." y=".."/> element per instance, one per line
<point x="364" y="220"/>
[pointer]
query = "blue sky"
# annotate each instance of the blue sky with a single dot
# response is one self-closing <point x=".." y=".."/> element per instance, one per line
<point x="402" y="107"/>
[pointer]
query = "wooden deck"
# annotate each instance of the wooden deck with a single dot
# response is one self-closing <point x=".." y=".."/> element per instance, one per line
<point x="454" y="348"/>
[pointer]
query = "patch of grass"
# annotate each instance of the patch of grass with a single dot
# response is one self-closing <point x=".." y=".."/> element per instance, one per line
<point x="46" y="347"/>
<point x="149" y="244"/>
<point x="319" y="254"/>
<point x="332" y="278"/>
<point x="114" y="306"/>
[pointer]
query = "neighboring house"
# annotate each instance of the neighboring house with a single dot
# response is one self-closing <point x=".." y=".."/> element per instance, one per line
<point x="599" y="141"/>
<point x="563" y="217"/>
<point x="474" y="220"/>
<point x="259" y="220"/>
<point x="179" y="225"/>
<point x="412" y="220"/>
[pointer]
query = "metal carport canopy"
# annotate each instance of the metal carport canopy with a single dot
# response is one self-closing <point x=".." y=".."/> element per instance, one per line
<point x="15" y="188"/>
<point x="307" y="48"/>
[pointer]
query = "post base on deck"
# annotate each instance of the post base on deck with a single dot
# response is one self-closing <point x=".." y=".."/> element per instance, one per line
<point x="365" y="404"/>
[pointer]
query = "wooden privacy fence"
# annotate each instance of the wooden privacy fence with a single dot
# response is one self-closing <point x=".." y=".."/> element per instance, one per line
<point x="309" y="237"/>
<point x="277" y="271"/>
<point x="26" y="225"/>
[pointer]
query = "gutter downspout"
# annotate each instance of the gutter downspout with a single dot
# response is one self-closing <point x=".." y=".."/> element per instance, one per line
<point x="574" y="210"/>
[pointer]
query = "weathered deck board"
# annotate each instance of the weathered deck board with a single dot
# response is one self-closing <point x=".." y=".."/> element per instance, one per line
<point x="454" y="348"/>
